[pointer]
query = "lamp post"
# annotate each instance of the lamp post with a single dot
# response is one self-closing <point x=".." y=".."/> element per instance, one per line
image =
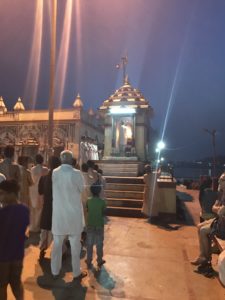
<point x="213" y="135"/>
<point x="52" y="77"/>
<point x="159" y="147"/>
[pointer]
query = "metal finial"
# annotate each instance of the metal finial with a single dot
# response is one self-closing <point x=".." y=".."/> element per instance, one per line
<point x="124" y="62"/>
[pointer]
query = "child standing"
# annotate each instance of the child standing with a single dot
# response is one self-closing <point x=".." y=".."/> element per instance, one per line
<point x="14" y="219"/>
<point x="95" y="226"/>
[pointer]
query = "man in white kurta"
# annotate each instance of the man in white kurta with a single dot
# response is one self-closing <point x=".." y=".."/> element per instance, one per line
<point x="35" y="201"/>
<point x="67" y="214"/>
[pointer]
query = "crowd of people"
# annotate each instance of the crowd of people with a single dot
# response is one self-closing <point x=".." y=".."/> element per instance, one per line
<point x="88" y="150"/>
<point x="63" y="204"/>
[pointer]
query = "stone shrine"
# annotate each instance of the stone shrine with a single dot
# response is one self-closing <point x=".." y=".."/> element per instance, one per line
<point x="127" y="124"/>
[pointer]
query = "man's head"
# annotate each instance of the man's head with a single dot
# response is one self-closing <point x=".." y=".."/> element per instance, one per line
<point x="23" y="161"/>
<point x="9" y="190"/>
<point x="54" y="162"/>
<point x="90" y="164"/>
<point x="100" y="171"/>
<point x="96" y="167"/>
<point x="9" y="152"/>
<point x="95" y="189"/>
<point x="84" y="167"/>
<point x="66" y="157"/>
<point x="148" y="169"/>
<point x="39" y="159"/>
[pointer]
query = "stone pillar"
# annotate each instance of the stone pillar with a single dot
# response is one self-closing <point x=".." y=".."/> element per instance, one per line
<point x="140" y="136"/>
<point x="108" y="137"/>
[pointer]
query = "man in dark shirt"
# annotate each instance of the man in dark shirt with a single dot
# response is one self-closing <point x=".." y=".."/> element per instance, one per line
<point x="14" y="219"/>
<point x="9" y="168"/>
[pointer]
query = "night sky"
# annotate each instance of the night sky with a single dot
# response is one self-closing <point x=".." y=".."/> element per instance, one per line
<point x="176" y="57"/>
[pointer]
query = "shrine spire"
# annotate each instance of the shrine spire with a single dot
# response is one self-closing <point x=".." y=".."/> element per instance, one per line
<point x="122" y="65"/>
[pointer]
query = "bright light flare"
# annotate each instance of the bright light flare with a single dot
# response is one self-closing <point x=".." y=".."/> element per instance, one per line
<point x="33" y="74"/>
<point x="79" y="58"/>
<point x="62" y="63"/>
<point x="161" y="145"/>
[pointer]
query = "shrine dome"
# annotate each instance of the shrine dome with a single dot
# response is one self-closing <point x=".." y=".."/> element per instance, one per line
<point x="78" y="103"/>
<point x="19" y="105"/>
<point x="3" y="108"/>
<point x="126" y="96"/>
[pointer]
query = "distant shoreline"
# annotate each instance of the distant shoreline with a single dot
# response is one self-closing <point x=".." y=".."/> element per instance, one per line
<point x="194" y="172"/>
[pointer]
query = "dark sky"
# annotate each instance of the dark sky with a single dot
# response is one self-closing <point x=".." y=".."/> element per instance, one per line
<point x="176" y="54"/>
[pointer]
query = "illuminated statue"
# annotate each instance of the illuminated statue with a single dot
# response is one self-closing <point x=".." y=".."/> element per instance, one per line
<point x="83" y="151"/>
<point x="122" y="137"/>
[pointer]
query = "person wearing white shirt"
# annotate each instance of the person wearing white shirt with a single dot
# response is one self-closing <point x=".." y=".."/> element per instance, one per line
<point x="67" y="214"/>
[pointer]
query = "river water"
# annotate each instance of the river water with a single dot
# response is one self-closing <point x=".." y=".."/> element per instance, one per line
<point x="194" y="173"/>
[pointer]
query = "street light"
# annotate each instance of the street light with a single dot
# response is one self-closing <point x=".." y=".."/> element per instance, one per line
<point x="160" y="146"/>
<point x="213" y="135"/>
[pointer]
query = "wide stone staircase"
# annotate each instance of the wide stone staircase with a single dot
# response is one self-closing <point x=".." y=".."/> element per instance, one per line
<point x="124" y="196"/>
<point x="124" y="186"/>
<point x="118" y="168"/>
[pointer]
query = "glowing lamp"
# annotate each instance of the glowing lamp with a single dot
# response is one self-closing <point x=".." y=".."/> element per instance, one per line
<point x="121" y="110"/>
<point x="161" y="145"/>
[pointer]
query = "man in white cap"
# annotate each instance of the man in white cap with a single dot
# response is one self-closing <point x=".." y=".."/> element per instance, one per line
<point x="67" y="214"/>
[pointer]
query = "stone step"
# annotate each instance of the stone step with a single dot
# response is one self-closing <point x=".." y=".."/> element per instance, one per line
<point x="117" y="168"/>
<point x="122" y="180"/>
<point x="125" y="187"/>
<point x="118" y="162"/>
<point x="121" y="166"/>
<point x="120" y="173"/>
<point x="124" y="212"/>
<point x="131" y="203"/>
<point x="124" y="194"/>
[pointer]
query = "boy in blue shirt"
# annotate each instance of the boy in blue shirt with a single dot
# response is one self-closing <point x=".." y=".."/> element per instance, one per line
<point x="14" y="219"/>
<point x="95" y="226"/>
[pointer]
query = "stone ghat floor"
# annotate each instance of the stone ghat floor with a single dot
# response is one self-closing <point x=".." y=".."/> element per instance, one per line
<point x="143" y="261"/>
